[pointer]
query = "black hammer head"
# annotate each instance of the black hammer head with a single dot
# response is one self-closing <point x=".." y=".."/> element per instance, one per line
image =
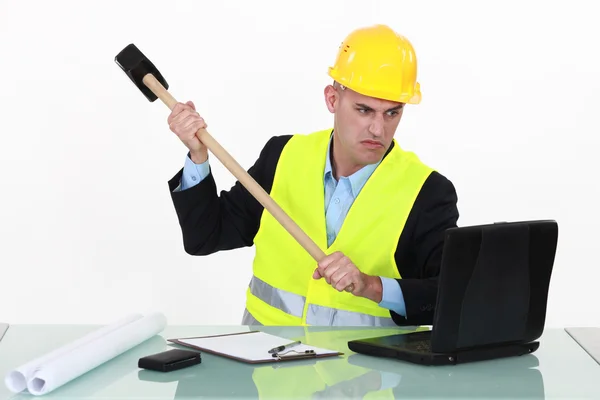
<point x="136" y="65"/>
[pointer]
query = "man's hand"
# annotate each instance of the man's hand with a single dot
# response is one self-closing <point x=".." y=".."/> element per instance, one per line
<point x="184" y="121"/>
<point x="340" y="272"/>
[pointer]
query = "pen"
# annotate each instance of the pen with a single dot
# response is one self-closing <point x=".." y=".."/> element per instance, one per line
<point x="284" y="347"/>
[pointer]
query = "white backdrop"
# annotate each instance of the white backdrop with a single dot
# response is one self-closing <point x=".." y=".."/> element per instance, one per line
<point x="88" y="231"/>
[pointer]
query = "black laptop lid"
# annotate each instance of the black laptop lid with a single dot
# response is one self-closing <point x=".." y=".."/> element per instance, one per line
<point x="493" y="284"/>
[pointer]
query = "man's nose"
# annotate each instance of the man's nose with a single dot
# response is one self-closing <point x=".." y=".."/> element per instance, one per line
<point x="376" y="127"/>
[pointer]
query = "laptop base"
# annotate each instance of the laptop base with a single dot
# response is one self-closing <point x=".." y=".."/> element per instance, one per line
<point x="420" y="354"/>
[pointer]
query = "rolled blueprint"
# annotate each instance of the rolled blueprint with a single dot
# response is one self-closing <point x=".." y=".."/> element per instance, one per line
<point x="98" y="379"/>
<point x="55" y="373"/>
<point x="16" y="380"/>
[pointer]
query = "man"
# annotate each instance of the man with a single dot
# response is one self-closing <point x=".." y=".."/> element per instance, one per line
<point x="375" y="209"/>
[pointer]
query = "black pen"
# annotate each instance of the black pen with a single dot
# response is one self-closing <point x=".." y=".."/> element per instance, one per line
<point x="284" y="347"/>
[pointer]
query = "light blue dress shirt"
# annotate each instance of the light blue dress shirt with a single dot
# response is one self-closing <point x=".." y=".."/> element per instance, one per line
<point x="339" y="196"/>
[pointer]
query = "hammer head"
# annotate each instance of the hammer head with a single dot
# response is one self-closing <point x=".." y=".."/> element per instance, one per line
<point x="136" y="65"/>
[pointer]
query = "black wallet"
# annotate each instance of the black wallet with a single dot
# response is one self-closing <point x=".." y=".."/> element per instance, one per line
<point x="170" y="360"/>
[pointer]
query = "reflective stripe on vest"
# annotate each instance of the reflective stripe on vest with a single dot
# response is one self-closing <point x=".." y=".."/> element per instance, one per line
<point x="248" y="319"/>
<point x="293" y="304"/>
<point x="287" y="302"/>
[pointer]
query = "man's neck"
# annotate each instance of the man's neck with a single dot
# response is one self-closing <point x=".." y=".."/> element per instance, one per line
<point x="339" y="165"/>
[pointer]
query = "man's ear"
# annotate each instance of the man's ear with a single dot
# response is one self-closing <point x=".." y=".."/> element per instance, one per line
<point x="331" y="98"/>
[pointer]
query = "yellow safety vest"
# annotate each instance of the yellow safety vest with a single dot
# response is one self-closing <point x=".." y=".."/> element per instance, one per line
<point x="282" y="290"/>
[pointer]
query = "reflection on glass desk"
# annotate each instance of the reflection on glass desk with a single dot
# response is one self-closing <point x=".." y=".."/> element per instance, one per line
<point x="559" y="369"/>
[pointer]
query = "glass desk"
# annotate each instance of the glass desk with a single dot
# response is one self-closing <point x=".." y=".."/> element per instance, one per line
<point x="588" y="338"/>
<point x="3" y="329"/>
<point x="559" y="369"/>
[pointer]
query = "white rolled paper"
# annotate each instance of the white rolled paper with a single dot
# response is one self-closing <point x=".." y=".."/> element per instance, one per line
<point x="16" y="380"/>
<point x="55" y="373"/>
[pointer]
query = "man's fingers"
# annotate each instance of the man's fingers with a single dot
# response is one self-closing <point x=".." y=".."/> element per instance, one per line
<point x="191" y="122"/>
<point x="186" y="122"/>
<point x="338" y="279"/>
<point x="178" y="109"/>
<point x="182" y="127"/>
<point x="329" y="259"/>
<point x="183" y="115"/>
<point x="337" y="270"/>
<point x="344" y="282"/>
<point x="330" y="271"/>
<point x="338" y="274"/>
<point x="326" y="263"/>
<point x="181" y="111"/>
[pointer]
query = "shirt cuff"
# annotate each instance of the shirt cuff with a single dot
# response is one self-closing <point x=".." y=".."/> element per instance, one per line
<point x="193" y="174"/>
<point x="392" y="297"/>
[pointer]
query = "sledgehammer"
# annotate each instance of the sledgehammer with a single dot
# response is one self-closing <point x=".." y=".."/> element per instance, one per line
<point x="153" y="85"/>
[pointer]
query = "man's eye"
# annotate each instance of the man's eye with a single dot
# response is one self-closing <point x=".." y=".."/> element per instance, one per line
<point x="362" y="110"/>
<point x="392" y="113"/>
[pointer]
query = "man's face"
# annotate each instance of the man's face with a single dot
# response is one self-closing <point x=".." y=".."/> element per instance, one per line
<point x="364" y="126"/>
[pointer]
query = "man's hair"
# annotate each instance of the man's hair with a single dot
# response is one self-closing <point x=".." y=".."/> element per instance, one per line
<point x="338" y="85"/>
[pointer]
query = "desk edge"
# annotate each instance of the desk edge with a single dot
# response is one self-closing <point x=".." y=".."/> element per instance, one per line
<point x="571" y="331"/>
<point x="3" y="328"/>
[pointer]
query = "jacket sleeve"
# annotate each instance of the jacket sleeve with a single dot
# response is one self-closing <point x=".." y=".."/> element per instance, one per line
<point x="212" y="222"/>
<point x="419" y="257"/>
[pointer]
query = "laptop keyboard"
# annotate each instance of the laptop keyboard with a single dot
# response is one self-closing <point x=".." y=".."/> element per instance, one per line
<point x="421" y="346"/>
<point x="417" y="341"/>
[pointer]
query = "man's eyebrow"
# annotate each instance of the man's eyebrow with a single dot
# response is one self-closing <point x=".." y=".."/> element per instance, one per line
<point x="361" y="105"/>
<point x="364" y="106"/>
<point x="398" y="107"/>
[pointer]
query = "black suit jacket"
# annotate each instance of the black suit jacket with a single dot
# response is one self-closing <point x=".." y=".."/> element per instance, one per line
<point x="212" y="222"/>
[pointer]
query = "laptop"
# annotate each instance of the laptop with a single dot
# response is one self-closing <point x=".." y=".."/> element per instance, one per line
<point x="492" y="297"/>
<point x="3" y="329"/>
<point x="588" y="338"/>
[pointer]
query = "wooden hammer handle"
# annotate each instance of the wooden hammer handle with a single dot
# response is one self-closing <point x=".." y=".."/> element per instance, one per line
<point x="240" y="173"/>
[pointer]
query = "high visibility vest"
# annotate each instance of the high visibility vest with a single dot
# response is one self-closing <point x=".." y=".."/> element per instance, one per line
<point x="282" y="290"/>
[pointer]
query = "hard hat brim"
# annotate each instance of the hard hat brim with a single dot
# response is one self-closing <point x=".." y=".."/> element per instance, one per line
<point x="407" y="98"/>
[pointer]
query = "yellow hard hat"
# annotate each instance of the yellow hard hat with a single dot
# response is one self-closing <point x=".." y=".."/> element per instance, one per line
<point x="377" y="62"/>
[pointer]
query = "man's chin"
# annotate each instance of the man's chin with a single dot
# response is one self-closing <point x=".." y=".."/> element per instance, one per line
<point x="371" y="159"/>
<point x="372" y="156"/>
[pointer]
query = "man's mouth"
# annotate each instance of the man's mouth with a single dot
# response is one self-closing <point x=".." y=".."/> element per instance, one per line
<point x="372" y="144"/>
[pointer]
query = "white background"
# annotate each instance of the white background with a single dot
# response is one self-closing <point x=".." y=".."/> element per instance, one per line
<point x="88" y="232"/>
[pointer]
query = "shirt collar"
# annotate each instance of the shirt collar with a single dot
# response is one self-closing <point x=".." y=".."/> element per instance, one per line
<point x="358" y="179"/>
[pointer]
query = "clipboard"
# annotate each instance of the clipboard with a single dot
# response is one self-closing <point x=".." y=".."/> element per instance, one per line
<point x="253" y="347"/>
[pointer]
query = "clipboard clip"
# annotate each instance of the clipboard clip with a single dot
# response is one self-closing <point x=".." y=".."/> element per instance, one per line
<point x="299" y="355"/>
